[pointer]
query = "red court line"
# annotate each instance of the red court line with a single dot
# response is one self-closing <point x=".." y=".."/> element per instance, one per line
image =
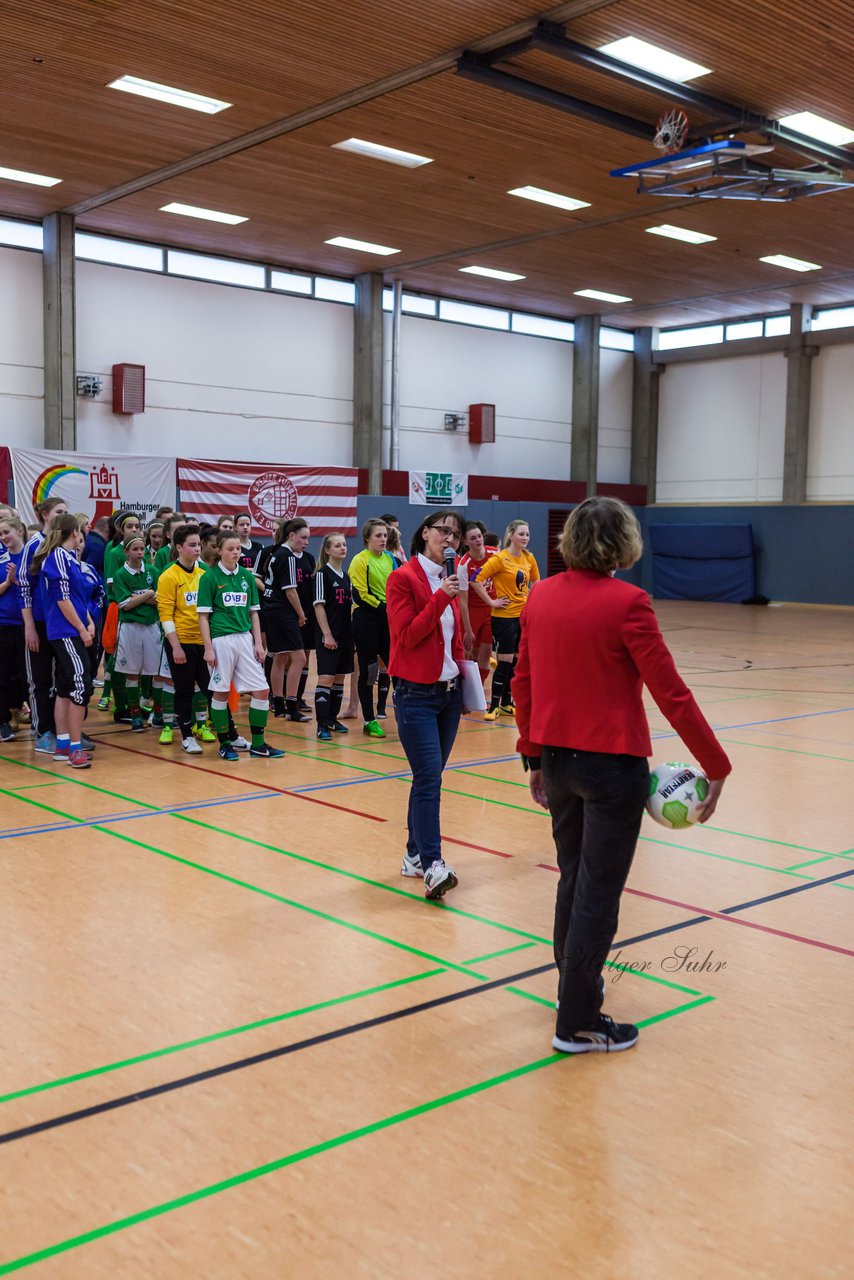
<point x="481" y="847"/>
<point x="717" y="915"/>
<point x="249" y="782"/>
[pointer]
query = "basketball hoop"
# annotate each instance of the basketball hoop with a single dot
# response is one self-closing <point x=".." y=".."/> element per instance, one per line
<point x="671" y="132"/>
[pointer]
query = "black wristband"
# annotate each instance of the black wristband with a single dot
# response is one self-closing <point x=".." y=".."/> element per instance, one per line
<point x="530" y="763"/>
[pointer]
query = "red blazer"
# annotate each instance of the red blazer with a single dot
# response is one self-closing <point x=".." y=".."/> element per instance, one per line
<point x="414" y="622"/>
<point x="589" y="643"/>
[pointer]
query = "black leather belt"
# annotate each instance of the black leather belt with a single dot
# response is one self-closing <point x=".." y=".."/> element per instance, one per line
<point x="438" y="686"/>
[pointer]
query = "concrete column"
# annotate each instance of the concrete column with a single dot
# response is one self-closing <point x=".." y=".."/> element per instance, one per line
<point x="60" y="363"/>
<point x="368" y="378"/>
<point x="645" y="383"/>
<point x="798" y="385"/>
<point x="585" y="402"/>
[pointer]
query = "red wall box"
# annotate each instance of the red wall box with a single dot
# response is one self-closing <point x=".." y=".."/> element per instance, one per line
<point x="128" y="388"/>
<point x="481" y="424"/>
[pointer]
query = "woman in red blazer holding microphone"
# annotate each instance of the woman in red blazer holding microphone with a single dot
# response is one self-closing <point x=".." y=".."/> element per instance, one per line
<point x="589" y="643"/>
<point x="425" y="659"/>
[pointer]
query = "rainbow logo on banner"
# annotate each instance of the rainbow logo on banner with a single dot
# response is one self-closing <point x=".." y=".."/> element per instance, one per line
<point x="47" y="480"/>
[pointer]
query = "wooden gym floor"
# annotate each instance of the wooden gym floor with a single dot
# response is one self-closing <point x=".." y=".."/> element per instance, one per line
<point x="236" y="1043"/>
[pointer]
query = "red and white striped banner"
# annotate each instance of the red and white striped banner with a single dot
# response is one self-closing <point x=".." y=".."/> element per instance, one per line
<point x="270" y="492"/>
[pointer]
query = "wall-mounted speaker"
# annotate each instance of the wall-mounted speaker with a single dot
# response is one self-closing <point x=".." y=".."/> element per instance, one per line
<point x="128" y="388"/>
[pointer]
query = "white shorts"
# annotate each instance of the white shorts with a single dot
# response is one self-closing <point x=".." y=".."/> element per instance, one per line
<point x="236" y="665"/>
<point x="165" y="671"/>
<point x="138" y="648"/>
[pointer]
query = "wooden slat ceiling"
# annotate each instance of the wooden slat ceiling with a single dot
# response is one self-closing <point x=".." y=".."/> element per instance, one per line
<point x="274" y="61"/>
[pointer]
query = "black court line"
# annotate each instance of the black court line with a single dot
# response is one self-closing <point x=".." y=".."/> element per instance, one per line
<point x="240" y="1064"/>
<point x="728" y="911"/>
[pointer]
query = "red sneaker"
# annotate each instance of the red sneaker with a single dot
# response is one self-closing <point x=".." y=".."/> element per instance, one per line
<point x="79" y="760"/>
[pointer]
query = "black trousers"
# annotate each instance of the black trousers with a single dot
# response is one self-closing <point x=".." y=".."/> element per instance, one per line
<point x="186" y="675"/>
<point x="596" y="802"/>
<point x="39" y="667"/>
<point x="13" y="679"/>
<point x="371" y="637"/>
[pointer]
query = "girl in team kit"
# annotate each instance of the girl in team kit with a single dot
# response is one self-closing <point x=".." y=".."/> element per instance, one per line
<point x="477" y="604"/>
<point x="249" y="549"/>
<point x="12" y="672"/>
<point x="177" y="599"/>
<point x="165" y="554"/>
<point x="512" y="572"/>
<point x="97" y="598"/>
<point x="369" y="573"/>
<point x="71" y="633"/>
<point x="287" y="580"/>
<point x="228" y="610"/>
<point x="122" y="524"/>
<point x="333" y="604"/>
<point x="140" y="640"/>
<point x="39" y="657"/>
<point x="153" y="540"/>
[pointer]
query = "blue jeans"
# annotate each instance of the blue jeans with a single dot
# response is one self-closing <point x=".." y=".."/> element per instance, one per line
<point x="427" y="721"/>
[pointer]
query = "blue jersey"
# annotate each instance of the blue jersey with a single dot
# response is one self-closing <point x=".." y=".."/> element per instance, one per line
<point x="32" y="592"/>
<point x="10" y="601"/>
<point x="95" y="588"/>
<point x="63" y="579"/>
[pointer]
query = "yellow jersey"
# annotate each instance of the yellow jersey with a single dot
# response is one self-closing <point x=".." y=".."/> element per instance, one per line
<point x="177" y="600"/>
<point x="511" y="576"/>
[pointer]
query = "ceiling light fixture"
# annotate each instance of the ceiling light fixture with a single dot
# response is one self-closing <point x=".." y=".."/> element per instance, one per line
<point x="363" y="246"/>
<point x="649" y="57"/>
<point x="209" y="215"/>
<point x="549" y="197"/>
<point x="680" y="233"/>
<point x="813" y="126"/>
<point x="36" y="179"/>
<point x="600" y="296"/>
<point x="376" y="151"/>
<point x="791" y="264"/>
<point x="492" y="273"/>
<point x="165" y="93"/>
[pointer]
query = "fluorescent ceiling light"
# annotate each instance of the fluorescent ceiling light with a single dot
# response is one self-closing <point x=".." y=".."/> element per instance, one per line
<point x="376" y="151"/>
<point x="549" y="197"/>
<point x="680" y="233"/>
<point x="650" y="58"/>
<point x="37" y="179"/>
<point x="600" y="295"/>
<point x="363" y="246"/>
<point x="813" y="126"/>
<point x="492" y="273"/>
<point x="791" y="264"/>
<point x="210" y="215"/>
<point x="165" y="93"/>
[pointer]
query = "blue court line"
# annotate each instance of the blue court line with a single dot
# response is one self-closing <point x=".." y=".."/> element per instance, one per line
<point x="403" y="773"/>
<point x="12" y="832"/>
<point x="753" y="724"/>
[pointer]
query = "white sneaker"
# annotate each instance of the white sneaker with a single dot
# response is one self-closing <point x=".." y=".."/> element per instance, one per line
<point x="438" y="879"/>
<point x="411" y="867"/>
<point x="240" y="744"/>
<point x="191" y="747"/>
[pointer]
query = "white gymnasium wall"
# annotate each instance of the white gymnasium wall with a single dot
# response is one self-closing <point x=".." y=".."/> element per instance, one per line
<point x="830" y="462"/>
<point x="21" y="350"/>
<point x="446" y="367"/>
<point x="615" y="416"/>
<point x="230" y="373"/>
<point x="721" y="430"/>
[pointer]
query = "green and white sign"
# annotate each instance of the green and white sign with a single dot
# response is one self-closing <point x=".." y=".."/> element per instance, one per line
<point x="438" y="489"/>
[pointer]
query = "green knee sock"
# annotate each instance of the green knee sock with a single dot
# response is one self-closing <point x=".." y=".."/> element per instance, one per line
<point x="219" y="716"/>
<point x="258" y="722"/>
<point x="145" y="687"/>
<point x="132" y="687"/>
<point x="119" y="692"/>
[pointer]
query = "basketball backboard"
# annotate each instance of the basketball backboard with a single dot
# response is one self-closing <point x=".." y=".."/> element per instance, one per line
<point x="729" y="170"/>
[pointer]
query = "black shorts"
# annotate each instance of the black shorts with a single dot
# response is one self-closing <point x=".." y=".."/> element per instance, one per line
<point x="283" y="632"/>
<point x="505" y="633"/>
<point x="335" y="662"/>
<point x="309" y="632"/>
<point x="73" y="677"/>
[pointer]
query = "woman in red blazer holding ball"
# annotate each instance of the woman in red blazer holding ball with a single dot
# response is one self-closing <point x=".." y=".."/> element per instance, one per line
<point x="589" y="643"/>
<point x="425" y="661"/>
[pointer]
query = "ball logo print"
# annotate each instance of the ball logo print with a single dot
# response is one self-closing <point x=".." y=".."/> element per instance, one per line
<point x="676" y="792"/>
<point x="272" y="497"/>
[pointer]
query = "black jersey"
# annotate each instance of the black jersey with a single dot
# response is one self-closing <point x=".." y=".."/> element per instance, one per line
<point x="333" y="591"/>
<point x="286" y="571"/>
<point x="249" y="555"/>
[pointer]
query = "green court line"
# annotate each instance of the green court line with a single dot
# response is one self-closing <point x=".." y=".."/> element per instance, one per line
<point x="32" y="786"/>
<point x="789" y="751"/>
<point x="785" y="844"/>
<point x="721" y="857"/>
<point x="669" y="1013"/>
<point x="505" y="804"/>
<point x="492" y="955"/>
<point x="507" y="782"/>
<point x="306" y="1153"/>
<point x="217" y="1035"/>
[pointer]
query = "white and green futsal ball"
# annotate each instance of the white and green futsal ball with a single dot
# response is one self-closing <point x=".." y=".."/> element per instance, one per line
<point x="675" y="793"/>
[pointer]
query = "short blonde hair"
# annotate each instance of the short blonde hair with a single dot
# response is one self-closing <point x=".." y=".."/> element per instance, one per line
<point x="601" y="534"/>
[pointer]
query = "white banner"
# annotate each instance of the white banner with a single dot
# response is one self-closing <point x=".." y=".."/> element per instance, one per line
<point x="438" y="489"/>
<point x="94" y="483"/>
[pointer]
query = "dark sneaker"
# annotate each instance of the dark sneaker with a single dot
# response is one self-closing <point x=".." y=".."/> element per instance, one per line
<point x="227" y="752"/>
<point x="296" y="716"/>
<point x="86" y="743"/>
<point x="137" y="724"/>
<point x="438" y="879"/>
<point x="338" y="727"/>
<point x="605" y="1036"/>
<point x="7" y="733"/>
<point x="266" y="752"/>
<point x="324" y="733"/>
<point x="122" y="717"/>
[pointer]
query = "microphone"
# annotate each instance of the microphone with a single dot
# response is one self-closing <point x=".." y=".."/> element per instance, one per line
<point x="449" y="556"/>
